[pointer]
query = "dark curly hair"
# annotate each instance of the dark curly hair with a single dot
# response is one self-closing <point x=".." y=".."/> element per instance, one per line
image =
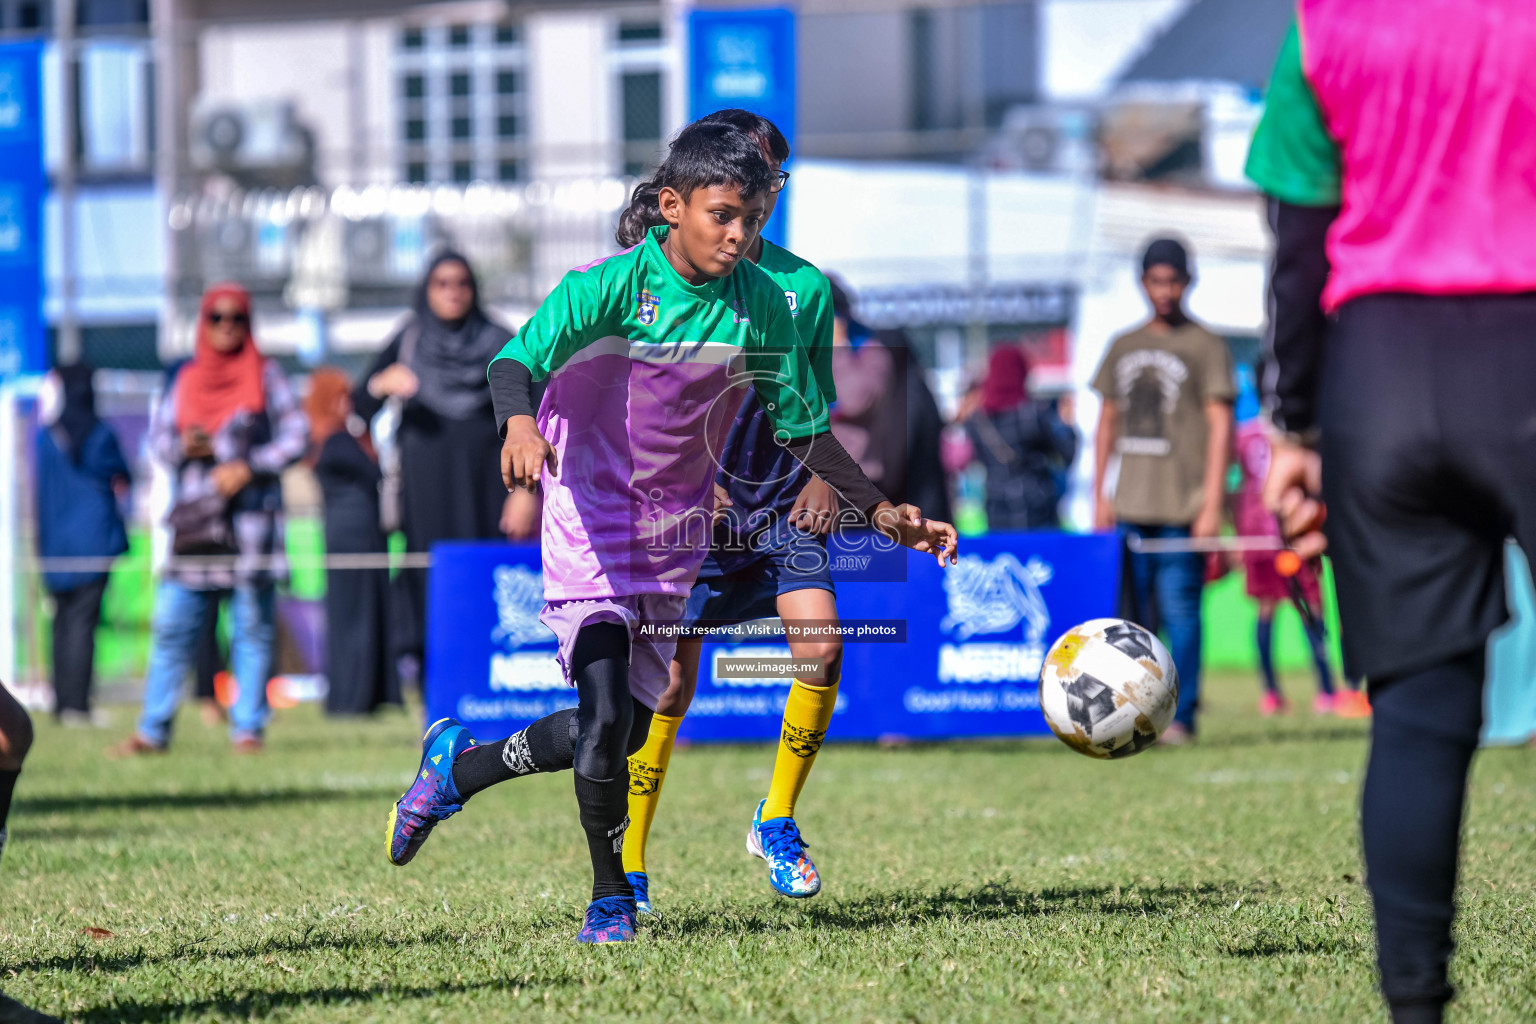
<point x="704" y="155"/>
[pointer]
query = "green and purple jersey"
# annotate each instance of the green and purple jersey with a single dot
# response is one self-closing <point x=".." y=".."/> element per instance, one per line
<point x="645" y="375"/>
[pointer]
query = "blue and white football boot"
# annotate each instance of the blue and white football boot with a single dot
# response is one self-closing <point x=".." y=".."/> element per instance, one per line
<point x="778" y="842"/>
<point x="432" y="796"/>
<point x="641" y="883"/>
<point x="610" y="919"/>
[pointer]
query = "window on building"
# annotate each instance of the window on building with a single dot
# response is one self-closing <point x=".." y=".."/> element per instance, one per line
<point x="639" y="59"/>
<point x="411" y="39"/>
<point x="640" y="32"/>
<point x="464" y="85"/>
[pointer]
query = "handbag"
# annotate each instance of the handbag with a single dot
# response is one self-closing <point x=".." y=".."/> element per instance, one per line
<point x="387" y="431"/>
<point x="202" y="526"/>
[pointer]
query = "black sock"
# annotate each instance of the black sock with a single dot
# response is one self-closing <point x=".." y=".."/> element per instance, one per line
<point x="1418" y="1013"/>
<point x="1424" y="730"/>
<point x="7" y="787"/>
<point x="545" y="746"/>
<point x="1318" y="640"/>
<point x="604" y="805"/>
<point x="1264" y="638"/>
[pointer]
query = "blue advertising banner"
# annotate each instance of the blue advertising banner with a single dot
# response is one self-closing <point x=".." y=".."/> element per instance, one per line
<point x="945" y="653"/>
<point x="23" y="186"/>
<point x="745" y="59"/>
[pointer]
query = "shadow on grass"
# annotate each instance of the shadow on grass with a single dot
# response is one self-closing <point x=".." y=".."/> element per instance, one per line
<point x="1268" y="944"/>
<point x="994" y="901"/>
<point x="1332" y="733"/>
<point x="229" y="799"/>
<point x="85" y="960"/>
<point x="257" y="1005"/>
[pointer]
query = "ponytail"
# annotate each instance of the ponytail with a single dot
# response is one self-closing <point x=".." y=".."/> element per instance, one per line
<point x="642" y="214"/>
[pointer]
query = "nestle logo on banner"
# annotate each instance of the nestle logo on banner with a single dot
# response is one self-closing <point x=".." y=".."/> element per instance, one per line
<point x="519" y="595"/>
<point x="990" y="597"/>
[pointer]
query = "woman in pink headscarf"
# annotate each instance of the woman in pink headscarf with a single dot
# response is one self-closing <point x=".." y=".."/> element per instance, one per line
<point x="1023" y="444"/>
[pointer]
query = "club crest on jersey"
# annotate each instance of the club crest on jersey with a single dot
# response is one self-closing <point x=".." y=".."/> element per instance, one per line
<point x="793" y="298"/>
<point x="646" y="307"/>
<point x="739" y="312"/>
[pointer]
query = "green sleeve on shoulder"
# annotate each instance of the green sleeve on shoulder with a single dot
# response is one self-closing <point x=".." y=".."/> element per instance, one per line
<point x="571" y="317"/>
<point x="781" y="371"/>
<point x="1292" y="157"/>
<point x="818" y="335"/>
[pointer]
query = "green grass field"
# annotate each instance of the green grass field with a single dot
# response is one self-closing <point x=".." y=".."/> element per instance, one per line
<point x="982" y="881"/>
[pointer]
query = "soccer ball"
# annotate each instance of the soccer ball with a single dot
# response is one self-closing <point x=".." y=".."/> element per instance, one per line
<point x="1108" y="688"/>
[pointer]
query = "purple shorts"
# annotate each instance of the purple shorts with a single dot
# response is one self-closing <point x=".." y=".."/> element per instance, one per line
<point x="650" y="656"/>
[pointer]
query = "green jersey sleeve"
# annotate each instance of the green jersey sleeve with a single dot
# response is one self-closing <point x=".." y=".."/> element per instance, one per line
<point x="578" y="312"/>
<point x="781" y="371"/>
<point x="1292" y="157"/>
<point x="816" y="334"/>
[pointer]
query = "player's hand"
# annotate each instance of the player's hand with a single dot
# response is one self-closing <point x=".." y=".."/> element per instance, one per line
<point x="229" y="478"/>
<point x="1207" y="523"/>
<point x="524" y="453"/>
<point x="906" y="526"/>
<point x="395" y="380"/>
<point x="1291" y="492"/>
<point x="722" y="502"/>
<point x="815" y="508"/>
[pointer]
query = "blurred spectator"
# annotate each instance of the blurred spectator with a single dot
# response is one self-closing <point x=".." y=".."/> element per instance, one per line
<point x="1269" y="589"/>
<point x="81" y="474"/>
<point x="227" y="426"/>
<point x="433" y="371"/>
<point x="1168" y="389"/>
<point x="361" y="674"/>
<point x="885" y="415"/>
<point x="211" y="661"/>
<point x="1023" y="445"/>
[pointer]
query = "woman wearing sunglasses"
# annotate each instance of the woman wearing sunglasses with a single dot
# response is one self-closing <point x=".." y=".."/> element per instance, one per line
<point x="226" y="428"/>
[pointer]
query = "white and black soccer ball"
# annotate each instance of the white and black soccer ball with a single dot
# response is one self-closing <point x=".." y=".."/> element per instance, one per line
<point x="1108" y="688"/>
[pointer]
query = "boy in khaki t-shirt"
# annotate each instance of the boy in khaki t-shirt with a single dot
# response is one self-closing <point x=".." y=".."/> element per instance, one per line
<point x="1168" y="390"/>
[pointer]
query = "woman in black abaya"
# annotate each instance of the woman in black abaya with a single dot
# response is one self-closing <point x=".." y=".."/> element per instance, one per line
<point x="449" y="449"/>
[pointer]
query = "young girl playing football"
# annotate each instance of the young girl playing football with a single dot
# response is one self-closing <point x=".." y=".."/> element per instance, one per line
<point x="768" y="558"/>
<point x="639" y="349"/>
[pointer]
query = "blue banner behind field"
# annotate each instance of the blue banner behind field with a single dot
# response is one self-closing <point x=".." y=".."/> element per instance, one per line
<point x="23" y="186"/>
<point x="975" y="636"/>
<point x="746" y="59"/>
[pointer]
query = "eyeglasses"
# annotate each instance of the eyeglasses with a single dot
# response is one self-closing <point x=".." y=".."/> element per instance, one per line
<point x="780" y="182"/>
<point x="237" y="319"/>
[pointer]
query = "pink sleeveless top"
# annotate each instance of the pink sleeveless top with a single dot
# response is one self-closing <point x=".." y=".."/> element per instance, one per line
<point x="1433" y="105"/>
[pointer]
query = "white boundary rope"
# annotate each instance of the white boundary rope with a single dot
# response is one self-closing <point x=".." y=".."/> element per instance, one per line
<point x="1186" y="545"/>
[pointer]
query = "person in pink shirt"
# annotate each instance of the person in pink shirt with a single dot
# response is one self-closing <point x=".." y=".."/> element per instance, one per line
<point x="1398" y="152"/>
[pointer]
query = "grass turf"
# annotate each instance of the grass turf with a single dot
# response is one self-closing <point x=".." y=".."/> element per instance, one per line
<point x="979" y="881"/>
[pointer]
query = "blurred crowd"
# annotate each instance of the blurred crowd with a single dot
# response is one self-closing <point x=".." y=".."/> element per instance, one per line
<point x="409" y="450"/>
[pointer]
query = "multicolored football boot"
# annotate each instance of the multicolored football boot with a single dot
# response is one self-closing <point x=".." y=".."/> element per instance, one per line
<point x="641" y="883"/>
<point x="610" y="919"/>
<point x="432" y="796"/>
<point x="778" y="842"/>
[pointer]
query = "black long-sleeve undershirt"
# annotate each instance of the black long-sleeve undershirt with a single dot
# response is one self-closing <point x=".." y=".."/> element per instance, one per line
<point x="1298" y="325"/>
<point x="512" y="395"/>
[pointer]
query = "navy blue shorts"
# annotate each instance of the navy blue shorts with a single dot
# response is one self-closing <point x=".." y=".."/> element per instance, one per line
<point x="739" y="587"/>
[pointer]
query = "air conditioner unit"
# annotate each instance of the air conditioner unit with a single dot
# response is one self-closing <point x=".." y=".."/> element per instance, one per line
<point x="1044" y="139"/>
<point x="235" y="135"/>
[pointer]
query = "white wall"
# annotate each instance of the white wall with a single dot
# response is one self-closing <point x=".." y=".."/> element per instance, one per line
<point x="570" y="93"/>
<point x="1087" y="43"/>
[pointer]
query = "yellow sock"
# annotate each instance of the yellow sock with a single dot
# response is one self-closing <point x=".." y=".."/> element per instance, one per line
<point x="647" y="767"/>
<point x="807" y="713"/>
